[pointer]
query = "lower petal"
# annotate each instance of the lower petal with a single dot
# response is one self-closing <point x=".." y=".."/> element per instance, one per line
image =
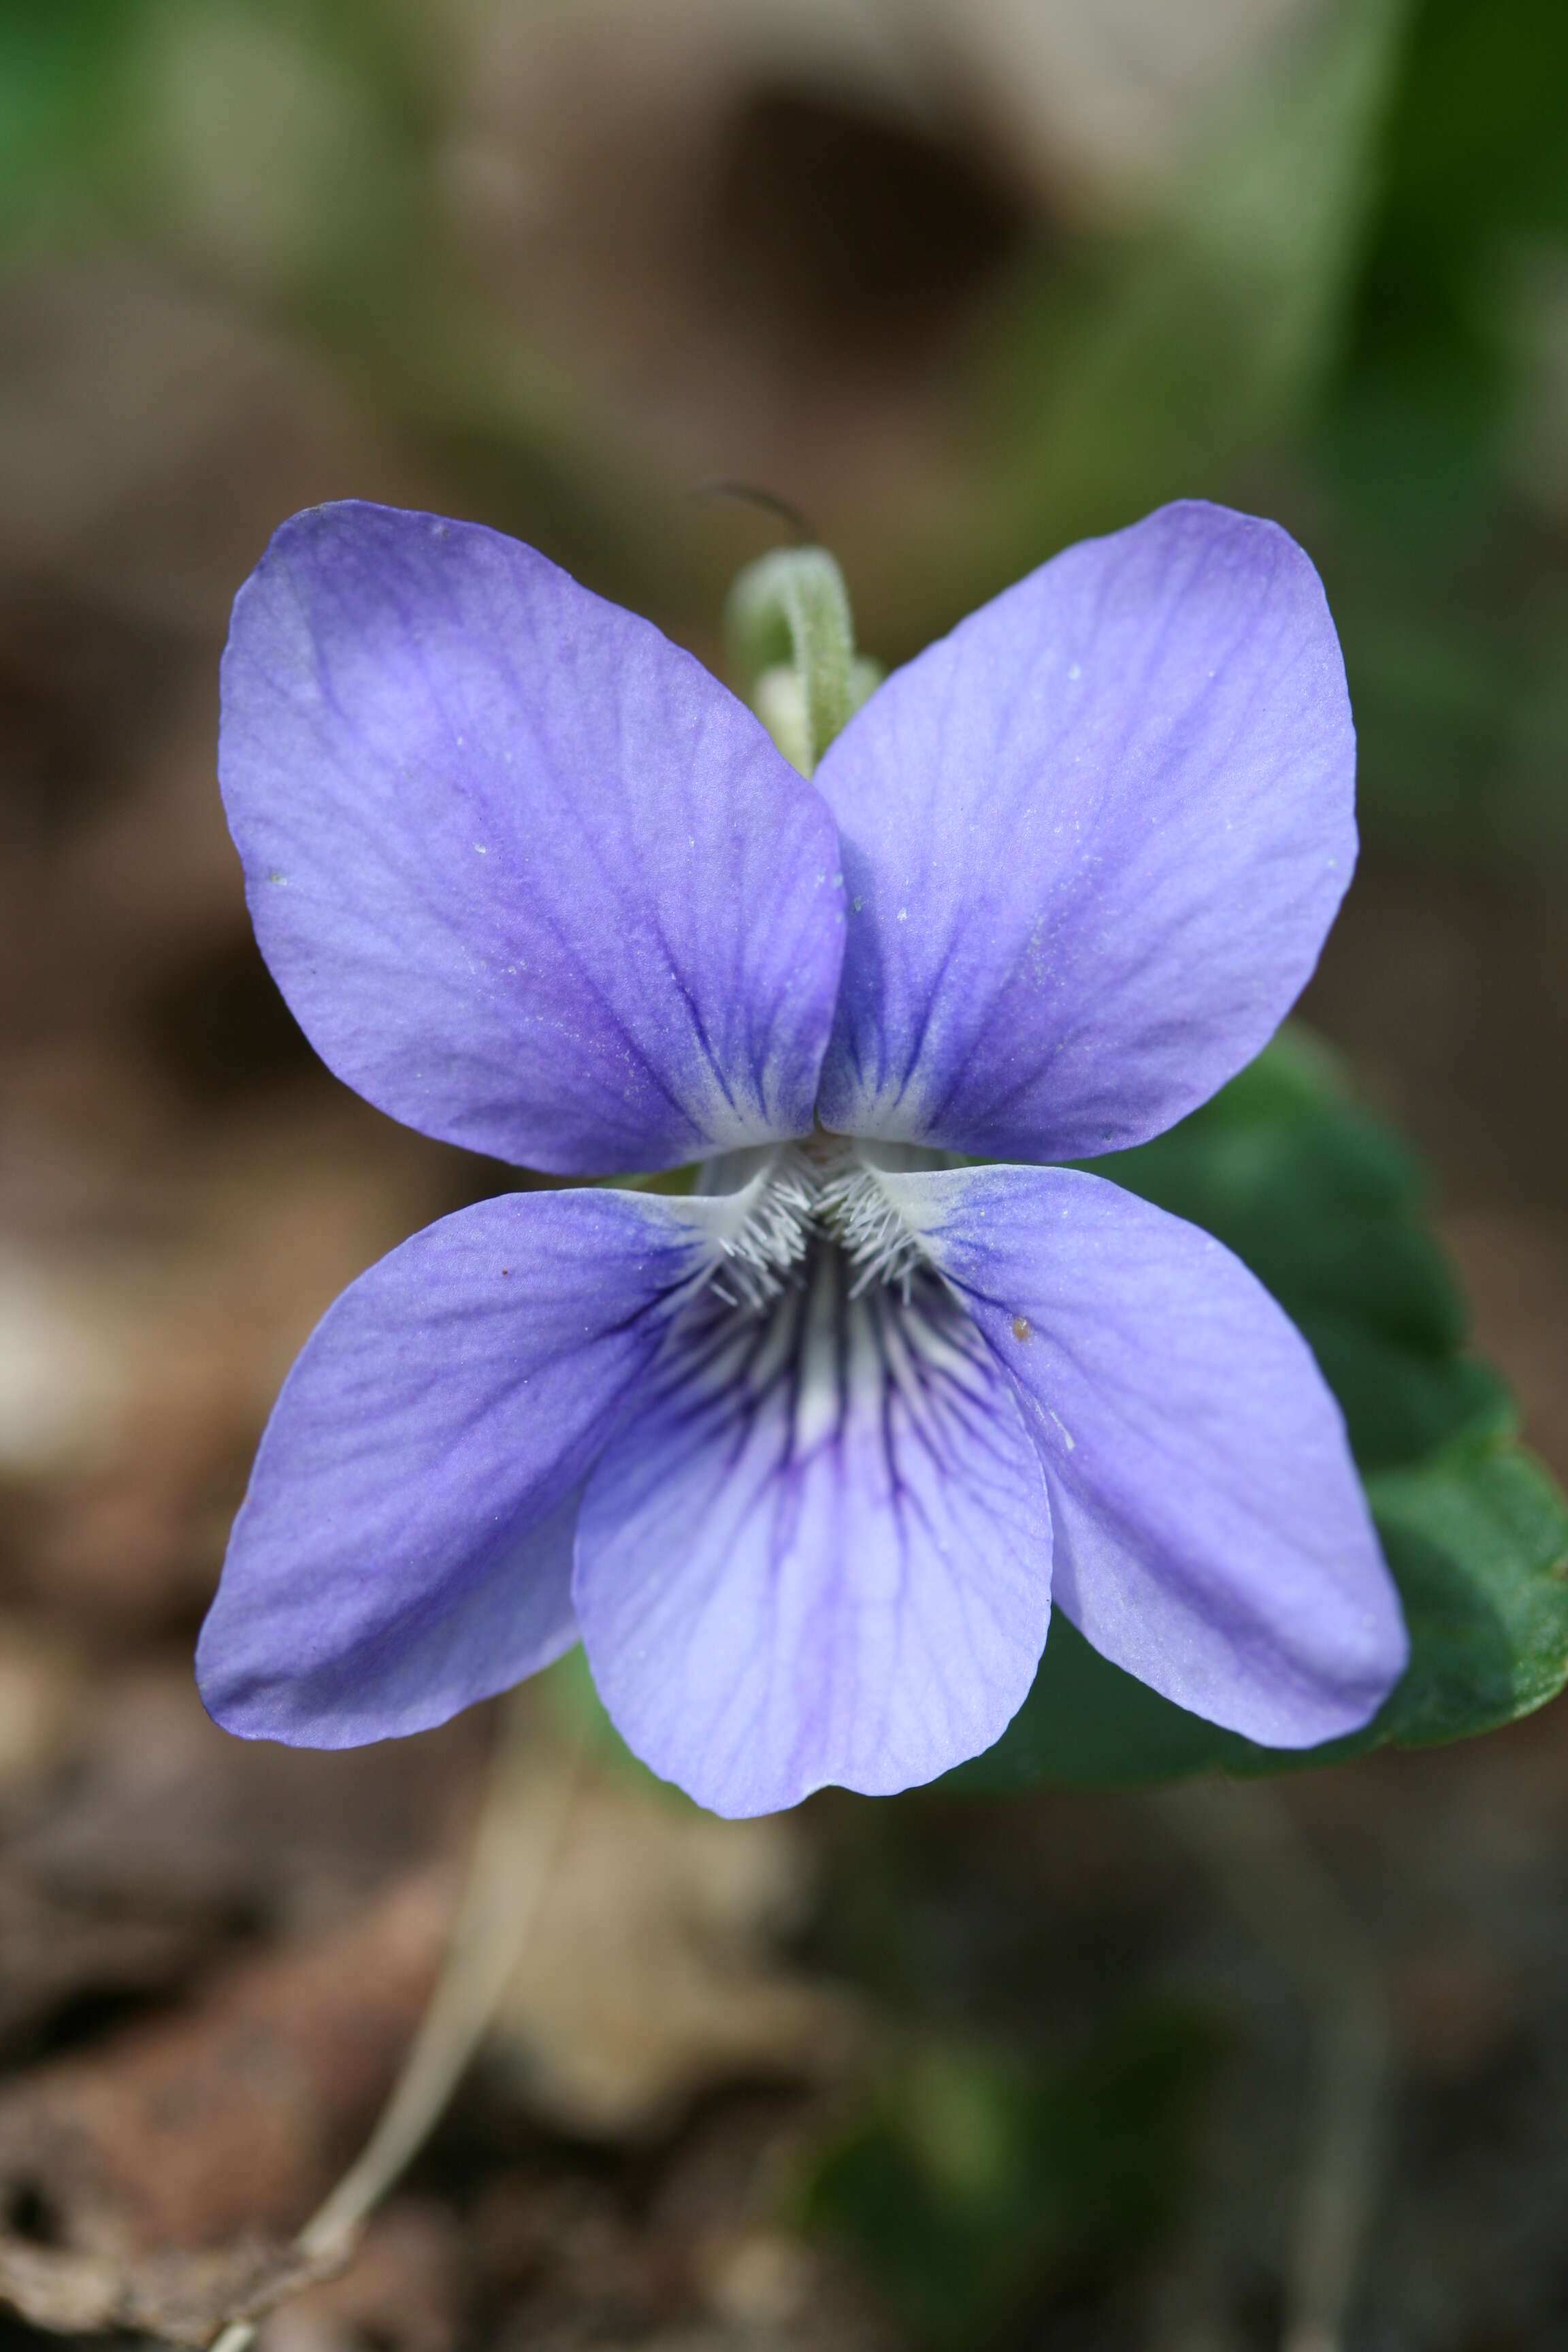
<point x="406" y="1546"/>
<point x="820" y="1553"/>
<point x="1211" y="1533"/>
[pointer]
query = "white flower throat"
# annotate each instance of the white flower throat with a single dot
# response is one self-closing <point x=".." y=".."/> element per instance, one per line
<point x="822" y="1326"/>
<point x="796" y="1201"/>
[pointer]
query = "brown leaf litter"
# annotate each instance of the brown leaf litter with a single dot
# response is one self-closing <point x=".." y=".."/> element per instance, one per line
<point x="653" y="1972"/>
<point x="151" y="2181"/>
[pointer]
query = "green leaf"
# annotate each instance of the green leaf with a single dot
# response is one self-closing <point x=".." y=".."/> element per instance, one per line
<point x="1479" y="1540"/>
<point x="1325" y="1205"/>
<point x="1087" y="1725"/>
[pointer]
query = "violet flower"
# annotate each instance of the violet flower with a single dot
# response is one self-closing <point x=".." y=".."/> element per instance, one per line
<point x="802" y="1458"/>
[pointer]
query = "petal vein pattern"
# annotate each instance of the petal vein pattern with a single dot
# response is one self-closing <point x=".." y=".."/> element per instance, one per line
<point x="1093" y="841"/>
<point x="820" y="1552"/>
<point x="406" y="1546"/>
<point x="1211" y="1535"/>
<point x="530" y="879"/>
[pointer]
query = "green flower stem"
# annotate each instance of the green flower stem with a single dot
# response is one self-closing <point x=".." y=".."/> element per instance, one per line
<point x="792" y="639"/>
<point x="518" y="1843"/>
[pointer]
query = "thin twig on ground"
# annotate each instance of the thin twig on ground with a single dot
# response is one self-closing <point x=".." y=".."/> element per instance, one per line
<point x="518" y="1838"/>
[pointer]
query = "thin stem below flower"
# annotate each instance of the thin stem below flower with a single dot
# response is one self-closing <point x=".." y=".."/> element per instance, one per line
<point x="516" y="1846"/>
<point x="1253" y="1849"/>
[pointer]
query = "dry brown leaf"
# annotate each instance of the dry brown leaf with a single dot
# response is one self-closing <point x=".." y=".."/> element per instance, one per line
<point x="160" y="1840"/>
<point x="163" y="1813"/>
<point x="653" y="1971"/>
<point x="185" y="2298"/>
<point x="59" y="1952"/>
<point x="157" y="1278"/>
<point x="44" y="1697"/>
<point x="156" y="2167"/>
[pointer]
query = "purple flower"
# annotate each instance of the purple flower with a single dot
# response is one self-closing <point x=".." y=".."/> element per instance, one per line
<point x="802" y="1456"/>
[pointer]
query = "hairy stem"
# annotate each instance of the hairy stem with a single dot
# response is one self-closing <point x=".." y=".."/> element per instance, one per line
<point x="793" y="640"/>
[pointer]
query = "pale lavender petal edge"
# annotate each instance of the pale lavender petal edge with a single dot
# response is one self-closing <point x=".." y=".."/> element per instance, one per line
<point x="1212" y="1535"/>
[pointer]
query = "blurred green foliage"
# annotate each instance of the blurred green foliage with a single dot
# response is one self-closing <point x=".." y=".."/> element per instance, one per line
<point x="975" y="2180"/>
<point x="1183" y="358"/>
<point x="1473" y="162"/>
<point x="1442" y="439"/>
<point x="61" y="71"/>
<point x="1345" y="318"/>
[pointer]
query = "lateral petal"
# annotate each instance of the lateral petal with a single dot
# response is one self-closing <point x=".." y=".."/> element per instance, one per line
<point x="820" y="1552"/>
<point x="1211" y="1533"/>
<point x="406" y="1546"/>
<point x="1093" y="841"/>
<point x="530" y="879"/>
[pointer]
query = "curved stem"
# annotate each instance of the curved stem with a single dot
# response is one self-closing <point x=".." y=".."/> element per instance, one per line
<point x="516" y="1846"/>
<point x="792" y="639"/>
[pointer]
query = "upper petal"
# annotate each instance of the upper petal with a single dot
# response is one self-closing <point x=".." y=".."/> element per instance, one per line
<point x="1211" y="1533"/>
<point x="406" y="1546"/>
<point x="529" y="876"/>
<point x="819" y="1553"/>
<point x="1093" y="841"/>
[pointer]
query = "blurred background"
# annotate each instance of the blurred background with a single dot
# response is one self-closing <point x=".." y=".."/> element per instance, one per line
<point x="960" y="283"/>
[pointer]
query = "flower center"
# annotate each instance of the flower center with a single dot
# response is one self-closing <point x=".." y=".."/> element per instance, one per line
<point x="794" y="1201"/>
